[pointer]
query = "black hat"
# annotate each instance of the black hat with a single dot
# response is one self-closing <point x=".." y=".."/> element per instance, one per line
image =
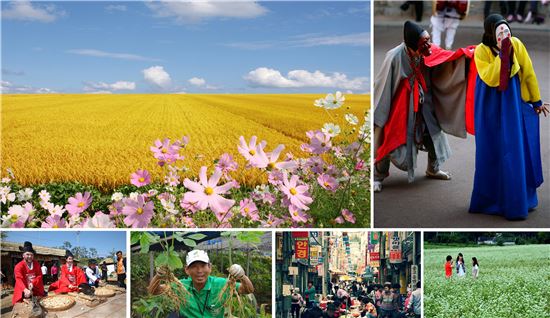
<point x="92" y="261"/>
<point x="68" y="253"/>
<point x="490" y="25"/>
<point x="27" y="247"/>
<point x="411" y="34"/>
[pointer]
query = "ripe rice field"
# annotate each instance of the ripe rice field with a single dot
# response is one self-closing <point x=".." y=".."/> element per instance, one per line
<point x="514" y="281"/>
<point x="101" y="139"/>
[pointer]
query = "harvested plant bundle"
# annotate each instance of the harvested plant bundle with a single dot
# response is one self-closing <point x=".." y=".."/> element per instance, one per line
<point x="235" y="305"/>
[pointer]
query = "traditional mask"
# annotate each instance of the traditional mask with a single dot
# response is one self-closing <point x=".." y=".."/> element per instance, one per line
<point x="502" y="31"/>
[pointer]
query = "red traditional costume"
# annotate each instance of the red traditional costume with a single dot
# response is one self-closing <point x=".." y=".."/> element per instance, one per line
<point x="73" y="277"/>
<point x="23" y="277"/>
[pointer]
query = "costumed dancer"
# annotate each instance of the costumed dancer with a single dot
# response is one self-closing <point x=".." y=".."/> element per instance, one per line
<point x="508" y="168"/>
<point x="418" y="96"/>
<point x="71" y="276"/>
<point x="28" y="276"/>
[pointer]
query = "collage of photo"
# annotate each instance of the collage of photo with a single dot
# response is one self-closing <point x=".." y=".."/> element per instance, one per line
<point x="274" y="159"/>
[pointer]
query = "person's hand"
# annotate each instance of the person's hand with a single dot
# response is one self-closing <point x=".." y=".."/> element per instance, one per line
<point x="27" y="293"/>
<point x="236" y="271"/>
<point x="543" y="109"/>
<point x="71" y="286"/>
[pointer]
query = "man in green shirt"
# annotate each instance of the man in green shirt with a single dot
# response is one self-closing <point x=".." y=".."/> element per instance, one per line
<point x="205" y="289"/>
<point x="310" y="295"/>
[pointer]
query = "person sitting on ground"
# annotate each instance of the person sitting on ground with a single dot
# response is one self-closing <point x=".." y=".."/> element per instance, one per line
<point x="71" y="277"/>
<point x="92" y="273"/>
<point x="28" y="276"/>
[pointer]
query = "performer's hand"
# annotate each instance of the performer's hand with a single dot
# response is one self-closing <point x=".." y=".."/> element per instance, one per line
<point x="27" y="293"/>
<point x="543" y="109"/>
<point x="71" y="286"/>
<point x="236" y="271"/>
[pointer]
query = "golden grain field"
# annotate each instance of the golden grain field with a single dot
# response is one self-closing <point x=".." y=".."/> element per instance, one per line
<point x="101" y="139"/>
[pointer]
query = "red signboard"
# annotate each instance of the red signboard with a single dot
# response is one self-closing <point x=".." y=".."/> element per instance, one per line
<point x="300" y="234"/>
<point x="374" y="256"/>
<point x="301" y="249"/>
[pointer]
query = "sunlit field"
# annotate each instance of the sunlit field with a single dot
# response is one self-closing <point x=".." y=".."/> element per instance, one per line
<point x="101" y="139"/>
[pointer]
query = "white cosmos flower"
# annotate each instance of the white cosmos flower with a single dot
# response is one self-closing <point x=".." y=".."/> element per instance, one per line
<point x="44" y="196"/>
<point x="331" y="129"/>
<point x="334" y="101"/>
<point x="320" y="102"/>
<point x="25" y="194"/>
<point x="117" y="196"/>
<point x="352" y="119"/>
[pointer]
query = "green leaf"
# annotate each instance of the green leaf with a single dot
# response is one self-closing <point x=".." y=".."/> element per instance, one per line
<point x="189" y="242"/>
<point x="135" y="237"/>
<point x="162" y="259"/>
<point x="178" y="236"/>
<point x="145" y="242"/>
<point x="196" y="236"/>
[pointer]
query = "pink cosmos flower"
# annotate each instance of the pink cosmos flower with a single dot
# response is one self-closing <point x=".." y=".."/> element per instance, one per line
<point x="226" y="163"/>
<point x="296" y="192"/>
<point x="18" y="215"/>
<point x="189" y="206"/>
<point x="172" y="179"/>
<point x="249" y="151"/>
<point x="54" y="221"/>
<point x="207" y="194"/>
<point x="140" y="178"/>
<point x="272" y="221"/>
<point x="315" y="164"/>
<point x="248" y="209"/>
<point x="138" y="212"/>
<point x="188" y="221"/>
<point x="100" y="220"/>
<point x="167" y="152"/>
<point x="319" y="142"/>
<point x="297" y="214"/>
<point x="348" y="216"/>
<point x="79" y="203"/>
<point x="275" y="177"/>
<point x="327" y="182"/>
<point x="116" y="208"/>
<point x="269" y="160"/>
<point x="339" y="220"/>
<point x="360" y="165"/>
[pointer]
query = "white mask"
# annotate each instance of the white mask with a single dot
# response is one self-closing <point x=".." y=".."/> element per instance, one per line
<point x="502" y="32"/>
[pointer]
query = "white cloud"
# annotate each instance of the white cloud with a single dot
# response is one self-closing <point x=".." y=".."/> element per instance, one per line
<point x="26" y="11"/>
<point x="122" y="56"/>
<point x="157" y="76"/>
<point x="115" y="7"/>
<point x="193" y="12"/>
<point x="267" y="77"/>
<point x="100" y="92"/>
<point x="102" y="86"/>
<point x="201" y="83"/>
<point x="308" y="40"/>
<point x="197" y="81"/>
<point x="7" y="87"/>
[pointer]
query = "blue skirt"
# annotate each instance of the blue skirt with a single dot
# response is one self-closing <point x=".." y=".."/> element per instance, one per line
<point x="508" y="167"/>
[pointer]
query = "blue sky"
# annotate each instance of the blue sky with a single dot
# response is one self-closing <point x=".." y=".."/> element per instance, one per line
<point x="170" y="47"/>
<point x="103" y="241"/>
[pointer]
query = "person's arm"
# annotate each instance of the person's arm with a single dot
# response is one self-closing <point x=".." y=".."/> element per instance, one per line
<point x="90" y="275"/>
<point x="20" y="281"/>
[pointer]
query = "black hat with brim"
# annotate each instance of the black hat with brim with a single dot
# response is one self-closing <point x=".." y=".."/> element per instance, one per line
<point x="68" y="254"/>
<point x="27" y="247"/>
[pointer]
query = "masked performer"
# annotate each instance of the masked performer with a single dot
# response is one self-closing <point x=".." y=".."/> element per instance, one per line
<point x="508" y="167"/>
<point x="71" y="276"/>
<point x="420" y="92"/>
<point x="28" y="276"/>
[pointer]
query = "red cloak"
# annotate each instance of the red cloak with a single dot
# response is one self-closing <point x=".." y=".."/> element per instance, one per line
<point x="75" y="278"/>
<point x="24" y="276"/>
<point x="394" y="133"/>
